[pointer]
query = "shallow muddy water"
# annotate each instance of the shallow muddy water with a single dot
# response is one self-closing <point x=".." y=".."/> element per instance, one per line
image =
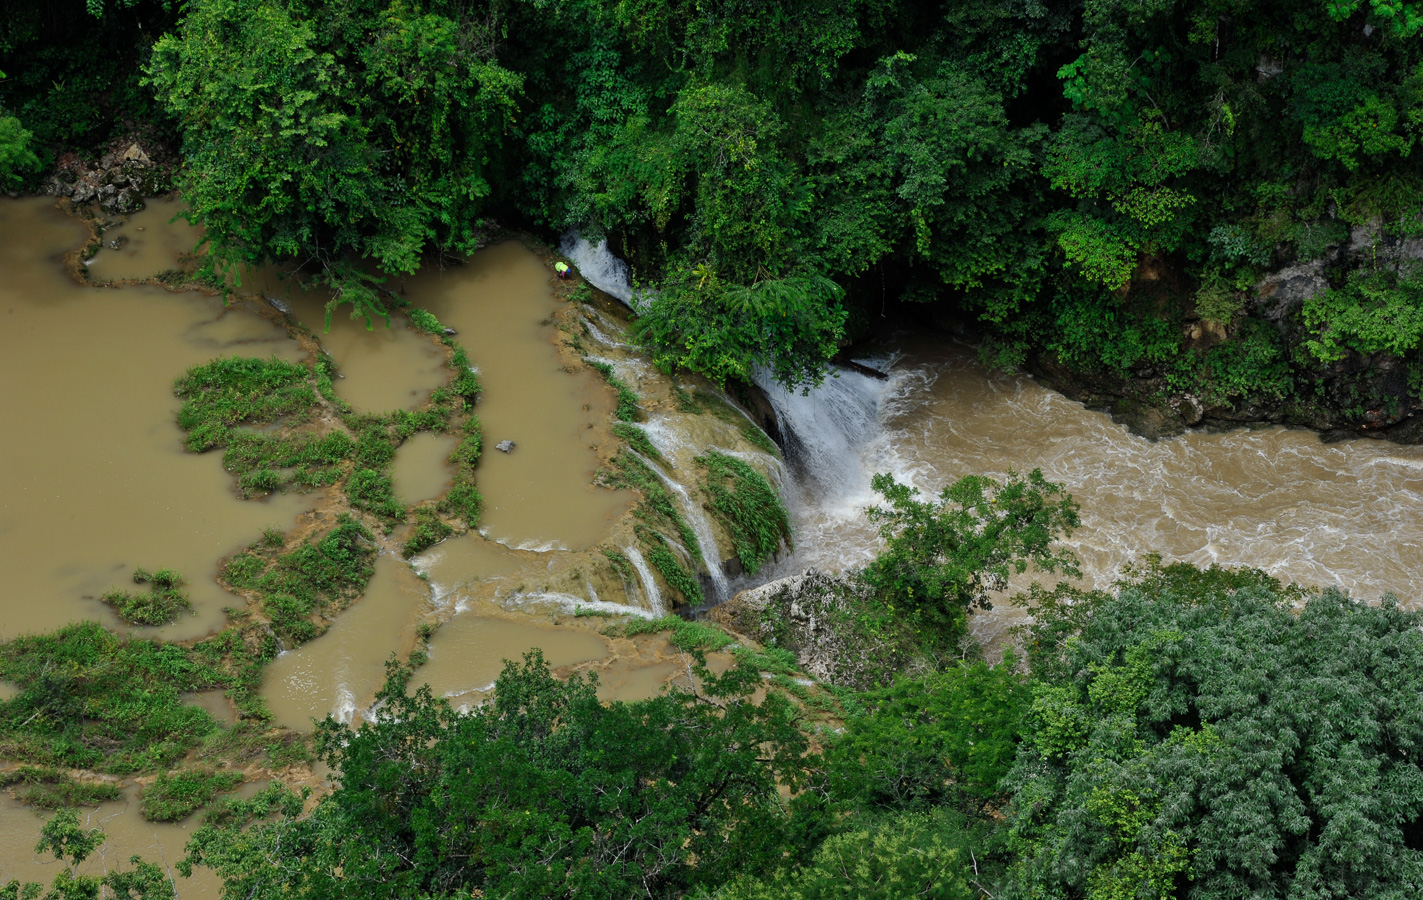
<point x="379" y="368"/>
<point x="541" y="495"/>
<point x="1348" y="514"/>
<point x="339" y="672"/>
<point x="97" y="481"/>
<point x="149" y="244"/>
<point x="467" y="654"/>
<point x="128" y="835"/>
<point x="422" y="468"/>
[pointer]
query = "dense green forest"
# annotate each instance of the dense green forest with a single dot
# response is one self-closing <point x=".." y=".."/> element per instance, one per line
<point x="1098" y="184"/>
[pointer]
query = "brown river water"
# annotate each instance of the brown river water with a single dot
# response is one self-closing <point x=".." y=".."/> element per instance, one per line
<point x="97" y="482"/>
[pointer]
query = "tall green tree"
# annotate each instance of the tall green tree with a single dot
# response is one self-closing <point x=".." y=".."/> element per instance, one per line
<point x="542" y="792"/>
<point x="339" y="138"/>
<point x="1200" y="737"/>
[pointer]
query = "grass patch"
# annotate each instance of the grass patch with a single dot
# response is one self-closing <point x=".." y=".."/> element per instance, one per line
<point x="621" y="564"/>
<point x="628" y="410"/>
<point x="637" y="439"/>
<point x="91" y="699"/>
<point x="176" y="796"/>
<point x="317" y="578"/>
<point x="657" y="506"/>
<point x="466" y="383"/>
<point x="467" y="453"/>
<point x="161" y="604"/>
<point x="259" y="459"/>
<point x="425" y="320"/>
<point x="665" y="561"/>
<point x="52" y="789"/>
<point x="227" y="392"/>
<point x="750" y="508"/>
<point x="702" y="402"/>
<point x="429" y="531"/>
<point x="772" y="660"/>
<point x="683" y="634"/>
<point x="372" y="491"/>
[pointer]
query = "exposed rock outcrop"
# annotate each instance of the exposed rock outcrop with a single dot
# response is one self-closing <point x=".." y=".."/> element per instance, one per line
<point x="813" y="615"/>
<point x="118" y="181"/>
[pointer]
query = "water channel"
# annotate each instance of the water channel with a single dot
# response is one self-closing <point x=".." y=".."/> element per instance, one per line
<point x="97" y="482"/>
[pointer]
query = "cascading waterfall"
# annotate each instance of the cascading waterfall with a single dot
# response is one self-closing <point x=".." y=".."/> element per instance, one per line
<point x="701" y="526"/>
<point x="644" y="574"/>
<point x="600" y="268"/>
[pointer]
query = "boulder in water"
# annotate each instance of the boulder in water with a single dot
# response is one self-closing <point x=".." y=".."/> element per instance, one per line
<point x="505" y="446"/>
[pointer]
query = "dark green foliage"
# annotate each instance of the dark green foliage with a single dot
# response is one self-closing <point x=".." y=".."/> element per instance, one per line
<point x="429" y="531"/>
<point x="160" y="605"/>
<point x="1202" y="734"/>
<point x="750" y="508"/>
<point x="946" y="738"/>
<point x="227" y="392"/>
<point x="943" y="557"/>
<point x="92" y="699"/>
<point x="53" y="789"/>
<point x="177" y="795"/>
<point x="627" y="410"/>
<point x="258" y="458"/>
<point x="324" y="134"/>
<point x="466" y="383"/>
<point x="910" y="855"/>
<point x="1377" y="310"/>
<point x="655" y="798"/>
<point x="373" y="492"/>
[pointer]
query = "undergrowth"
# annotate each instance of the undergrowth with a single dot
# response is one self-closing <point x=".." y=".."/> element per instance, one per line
<point x="175" y="796"/>
<point x="429" y="531"/>
<point x="748" y="506"/>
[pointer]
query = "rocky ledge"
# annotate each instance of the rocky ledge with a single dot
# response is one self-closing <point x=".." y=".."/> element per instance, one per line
<point x="118" y="181"/>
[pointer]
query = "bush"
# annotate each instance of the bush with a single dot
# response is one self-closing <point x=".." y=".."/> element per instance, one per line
<point x="173" y="797"/>
<point x="160" y="605"/>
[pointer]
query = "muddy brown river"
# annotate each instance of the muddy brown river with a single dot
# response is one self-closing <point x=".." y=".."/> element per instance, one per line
<point x="96" y="481"/>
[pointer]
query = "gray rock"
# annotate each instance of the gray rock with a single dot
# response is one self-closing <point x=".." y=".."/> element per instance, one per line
<point x="278" y="304"/>
<point x="117" y="243"/>
<point x="505" y="446"/>
<point x="813" y="616"/>
<point x="120" y="201"/>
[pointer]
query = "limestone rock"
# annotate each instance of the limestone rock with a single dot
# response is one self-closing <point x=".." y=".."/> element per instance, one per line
<point x="505" y="446"/>
<point x="812" y="616"/>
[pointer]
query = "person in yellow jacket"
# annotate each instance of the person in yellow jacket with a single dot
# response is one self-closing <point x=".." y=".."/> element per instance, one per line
<point x="561" y="268"/>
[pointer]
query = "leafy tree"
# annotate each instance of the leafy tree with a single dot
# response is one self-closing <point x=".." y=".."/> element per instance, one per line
<point x="543" y="792"/>
<point x="1198" y="736"/>
<point x="946" y="738"/>
<point x="911" y="855"/>
<point x="15" y="154"/>
<point x="318" y="134"/>
<point x="943" y="557"/>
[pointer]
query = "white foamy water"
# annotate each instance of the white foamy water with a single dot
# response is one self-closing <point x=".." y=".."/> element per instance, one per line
<point x="600" y="268"/>
<point x="1348" y="514"/>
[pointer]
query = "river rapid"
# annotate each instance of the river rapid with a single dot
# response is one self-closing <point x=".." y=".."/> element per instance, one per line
<point x="97" y="481"/>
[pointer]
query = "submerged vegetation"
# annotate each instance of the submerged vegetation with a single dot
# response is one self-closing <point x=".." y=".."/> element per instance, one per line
<point x="161" y="604"/>
<point x="749" y="507"/>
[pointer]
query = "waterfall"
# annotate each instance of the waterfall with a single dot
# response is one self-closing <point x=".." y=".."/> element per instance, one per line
<point x="644" y="574"/>
<point x="701" y="527"/>
<point x="827" y="430"/>
<point x="600" y="268"/>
